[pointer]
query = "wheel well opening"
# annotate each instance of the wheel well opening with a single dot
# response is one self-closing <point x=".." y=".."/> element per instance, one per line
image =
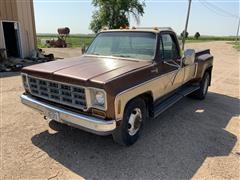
<point x="148" y="98"/>
<point x="209" y="70"/>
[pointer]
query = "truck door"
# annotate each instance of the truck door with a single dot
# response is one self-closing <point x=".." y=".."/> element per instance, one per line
<point x="171" y="60"/>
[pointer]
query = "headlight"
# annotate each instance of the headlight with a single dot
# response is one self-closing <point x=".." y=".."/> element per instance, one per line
<point x="98" y="98"/>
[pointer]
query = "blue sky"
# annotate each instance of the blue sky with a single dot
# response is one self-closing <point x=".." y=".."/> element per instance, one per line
<point x="209" y="17"/>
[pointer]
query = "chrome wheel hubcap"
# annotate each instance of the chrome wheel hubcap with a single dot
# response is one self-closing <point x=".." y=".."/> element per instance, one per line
<point x="135" y="121"/>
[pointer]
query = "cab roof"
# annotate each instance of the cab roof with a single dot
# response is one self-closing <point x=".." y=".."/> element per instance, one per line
<point x="139" y="29"/>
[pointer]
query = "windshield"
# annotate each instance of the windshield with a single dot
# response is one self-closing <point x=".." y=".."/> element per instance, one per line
<point x="136" y="45"/>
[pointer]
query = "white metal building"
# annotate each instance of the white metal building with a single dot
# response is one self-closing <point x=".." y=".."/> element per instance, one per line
<point x="17" y="27"/>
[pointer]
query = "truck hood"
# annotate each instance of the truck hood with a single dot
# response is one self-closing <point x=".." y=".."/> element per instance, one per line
<point x="87" y="68"/>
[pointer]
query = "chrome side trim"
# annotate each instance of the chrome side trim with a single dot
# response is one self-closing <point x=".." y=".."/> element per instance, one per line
<point x="87" y="123"/>
<point x="146" y="82"/>
<point x="153" y="90"/>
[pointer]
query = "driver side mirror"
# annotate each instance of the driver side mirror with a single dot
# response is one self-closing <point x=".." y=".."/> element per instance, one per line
<point x="189" y="57"/>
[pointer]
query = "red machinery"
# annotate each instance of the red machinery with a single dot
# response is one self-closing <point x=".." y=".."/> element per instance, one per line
<point x="62" y="36"/>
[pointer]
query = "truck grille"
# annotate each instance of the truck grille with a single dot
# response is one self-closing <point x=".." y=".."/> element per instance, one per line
<point x="61" y="93"/>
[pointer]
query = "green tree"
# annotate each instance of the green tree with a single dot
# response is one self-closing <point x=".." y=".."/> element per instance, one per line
<point x="115" y="13"/>
<point x="182" y="34"/>
<point x="197" y="35"/>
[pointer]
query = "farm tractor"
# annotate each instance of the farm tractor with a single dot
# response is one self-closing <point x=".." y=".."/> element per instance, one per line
<point x="61" y="42"/>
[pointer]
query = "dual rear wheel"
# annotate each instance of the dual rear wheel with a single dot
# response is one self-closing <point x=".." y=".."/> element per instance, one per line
<point x="135" y="115"/>
<point x="202" y="91"/>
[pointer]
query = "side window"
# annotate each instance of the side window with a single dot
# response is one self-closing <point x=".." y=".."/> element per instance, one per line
<point x="168" y="48"/>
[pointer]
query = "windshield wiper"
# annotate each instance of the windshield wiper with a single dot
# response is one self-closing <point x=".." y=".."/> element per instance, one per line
<point x="113" y="55"/>
<point x="94" y="54"/>
<point x="120" y="55"/>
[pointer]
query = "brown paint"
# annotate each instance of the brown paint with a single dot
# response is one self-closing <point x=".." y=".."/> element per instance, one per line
<point x="111" y="74"/>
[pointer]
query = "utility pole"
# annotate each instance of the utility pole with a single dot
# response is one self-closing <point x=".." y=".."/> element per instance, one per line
<point x="186" y="25"/>
<point x="238" y="30"/>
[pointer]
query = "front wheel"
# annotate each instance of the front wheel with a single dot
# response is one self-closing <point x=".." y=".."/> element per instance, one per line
<point x="202" y="91"/>
<point x="131" y="126"/>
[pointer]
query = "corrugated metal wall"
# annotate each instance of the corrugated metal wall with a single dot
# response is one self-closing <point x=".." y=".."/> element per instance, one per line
<point x="8" y="10"/>
<point x="27" y="26"/>
<point x="22" y="12"/>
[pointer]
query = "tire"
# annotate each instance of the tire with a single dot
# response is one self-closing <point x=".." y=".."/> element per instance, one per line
<point x="56" y="126"/>
<point x="202" y="91"/>
<point x="135" y="115"/>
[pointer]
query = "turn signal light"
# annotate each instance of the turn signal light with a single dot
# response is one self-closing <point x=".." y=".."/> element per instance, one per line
<point x="99" y="113"/>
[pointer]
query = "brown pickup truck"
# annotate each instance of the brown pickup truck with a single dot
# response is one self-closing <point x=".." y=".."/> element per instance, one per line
<point x="123" y="79"/>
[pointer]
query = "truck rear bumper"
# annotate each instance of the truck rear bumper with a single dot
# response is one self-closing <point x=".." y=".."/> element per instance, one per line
<point x="87" y="123"/>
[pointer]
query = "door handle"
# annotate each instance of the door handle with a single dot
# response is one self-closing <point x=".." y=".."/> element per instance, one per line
<point x="154" y="70"/>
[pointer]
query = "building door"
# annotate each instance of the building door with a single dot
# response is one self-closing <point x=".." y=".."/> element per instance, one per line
<point x="10" y="30"/>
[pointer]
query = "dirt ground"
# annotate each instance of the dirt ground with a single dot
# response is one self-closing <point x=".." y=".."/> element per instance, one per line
<point x="193" y="139"/>
<point x="64" y="52"/>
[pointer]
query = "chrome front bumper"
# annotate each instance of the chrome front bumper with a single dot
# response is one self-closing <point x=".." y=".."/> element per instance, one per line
<point x="87" y="123"/>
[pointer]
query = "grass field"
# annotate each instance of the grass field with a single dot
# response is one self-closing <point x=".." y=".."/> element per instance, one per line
<point x="236" y="45"/>
<point x="80" y="40"/>
<point x="211" y="38"/>
<point x="72" y="41"/>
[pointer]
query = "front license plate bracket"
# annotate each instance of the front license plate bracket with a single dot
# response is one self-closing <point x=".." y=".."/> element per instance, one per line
<point x="53" y="115"/>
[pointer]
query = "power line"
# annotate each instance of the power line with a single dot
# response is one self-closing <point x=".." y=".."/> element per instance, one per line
<point x="212" y="10"/>
<point x="221" y="9"/>
<point x="217" y="10"/>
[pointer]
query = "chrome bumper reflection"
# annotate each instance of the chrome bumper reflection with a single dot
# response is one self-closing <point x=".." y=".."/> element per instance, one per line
<point x="87" y="123"/>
